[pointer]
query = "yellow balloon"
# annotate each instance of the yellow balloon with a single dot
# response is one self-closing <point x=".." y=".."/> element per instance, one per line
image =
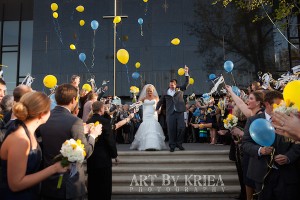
<point x="145" y="1"/>
<point x="117" y="20"/>
<point x="87" y="87"/>
<point x="80" y="8"/>
<point x="191" y="81"/>
<point x="50" y="81"/>
<point x="54" y="7"/>
<point x="81" y="22"/>
<point x="180" y="71"/>
<point x="291" y="92"/>
<point x="175" y="41"/>
<point x="123" y="56"/>
<point x="137" y="65"/>
<point x="55" y="15"/>
<point x="72" y="47"/>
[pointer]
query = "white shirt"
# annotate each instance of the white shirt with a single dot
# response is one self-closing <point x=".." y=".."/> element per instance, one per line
<point x="171" y="92"/>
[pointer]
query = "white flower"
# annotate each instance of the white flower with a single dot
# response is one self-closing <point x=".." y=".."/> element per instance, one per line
<point x="73" y="150"/>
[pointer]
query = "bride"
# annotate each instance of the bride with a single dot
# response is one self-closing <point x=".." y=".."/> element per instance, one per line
<point x="150" y="135"/>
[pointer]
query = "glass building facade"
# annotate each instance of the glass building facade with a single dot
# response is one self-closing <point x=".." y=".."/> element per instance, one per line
<point x="32" y="41"/>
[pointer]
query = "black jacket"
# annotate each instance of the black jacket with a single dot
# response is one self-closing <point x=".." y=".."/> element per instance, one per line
<point x="258" y="165"/>
<point x="105" y="145"/>
<point x="176" y="101"/>
<point x="62" y="126"/>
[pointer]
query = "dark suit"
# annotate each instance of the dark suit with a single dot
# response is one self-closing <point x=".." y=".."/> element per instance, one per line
<point x="99" y="165"/>
<point x="62" y="126"/>
<point x="275" y="185"/>
<point x="175" y="107"/>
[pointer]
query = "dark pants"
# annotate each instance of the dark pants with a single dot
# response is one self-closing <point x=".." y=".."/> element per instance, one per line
<point x="275" y="188"/>
<point x="100" y="183"/>
<point x="176" y="128"/>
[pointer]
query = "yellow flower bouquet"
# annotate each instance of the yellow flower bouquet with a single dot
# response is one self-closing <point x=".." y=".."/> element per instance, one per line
<point x="287" y="107"/>
<point x="230" y="122"/>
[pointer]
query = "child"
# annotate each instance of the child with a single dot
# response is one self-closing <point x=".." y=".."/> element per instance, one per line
<point x="202" y="131"/>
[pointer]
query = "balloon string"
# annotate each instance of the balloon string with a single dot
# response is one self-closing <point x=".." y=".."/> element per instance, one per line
<point x="146" y="8"/>
<point x="127" y="74"/>
<point x="233" y="78"/>
<point x="57" y="30"/>
<point x="276" y="25"/>
<point x="123" y="44"/>
<point x="94" y="45"/>
<point x="126" y="64"/>
<point x="87" y="69"/>
<point x="142" y="34"/>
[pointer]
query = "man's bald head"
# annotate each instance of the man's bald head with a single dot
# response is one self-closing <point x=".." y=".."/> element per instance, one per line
<point x="19" y="91"/>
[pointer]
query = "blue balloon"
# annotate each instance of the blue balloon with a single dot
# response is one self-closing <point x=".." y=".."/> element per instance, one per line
<point x="82" y="57"/>
<point x="135" y="75"/>
<point x="205" y="96"/>
<point x="212" y="77"/>
<point x="196" y="113"/>
<point x="262" y="132"/>
<point x="94" y="25"/>
<point x="140" y="21"/>
<point x="228" y="66"/>
<point x="236" y="90"/>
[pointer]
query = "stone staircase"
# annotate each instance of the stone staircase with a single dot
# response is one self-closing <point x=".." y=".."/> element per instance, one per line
<point x="194" y="174"/>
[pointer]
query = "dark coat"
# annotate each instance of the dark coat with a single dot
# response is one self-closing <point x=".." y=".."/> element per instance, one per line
<point x="62" y="126"/>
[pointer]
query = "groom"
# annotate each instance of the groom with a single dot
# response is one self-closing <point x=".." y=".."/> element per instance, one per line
<point x="175" y="107"/>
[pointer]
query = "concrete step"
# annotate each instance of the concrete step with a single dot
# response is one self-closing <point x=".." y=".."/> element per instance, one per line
<point x="184" y="168"/>
<point x="168" y="153"/>
<point x="127" y="180"/>
<point x="176" y="160"/>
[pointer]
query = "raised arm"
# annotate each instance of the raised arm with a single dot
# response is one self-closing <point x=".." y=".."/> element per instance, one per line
<point x="187" y="79"/>
<point x="239" y="102"/>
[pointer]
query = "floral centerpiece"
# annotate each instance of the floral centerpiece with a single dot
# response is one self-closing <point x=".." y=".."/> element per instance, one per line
<point x="230" y="121"/>
<point x="134" y="90"/>
<point x="287" y="107"/>
<point x="71" y="152"/>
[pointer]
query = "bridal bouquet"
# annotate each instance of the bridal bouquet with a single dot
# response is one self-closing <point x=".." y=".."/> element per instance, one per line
<point x="71" y="152"/>
<point x="230" y="122"/>
<point x="134" y="90"/>
<point x="287" y="107"/>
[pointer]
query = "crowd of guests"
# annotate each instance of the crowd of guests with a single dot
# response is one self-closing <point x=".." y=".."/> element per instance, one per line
<point x="31" y="138"/>
<point x="31" y="172"/>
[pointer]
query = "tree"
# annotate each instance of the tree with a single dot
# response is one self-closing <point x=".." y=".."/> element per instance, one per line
<point x="276" y="9"/>
<point x="231" y="30"/>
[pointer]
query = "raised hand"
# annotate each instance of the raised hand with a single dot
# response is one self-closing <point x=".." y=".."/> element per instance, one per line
<point x="186" y="69"/>
<point x="288" y="126"/>
<point x="95" y="131"/>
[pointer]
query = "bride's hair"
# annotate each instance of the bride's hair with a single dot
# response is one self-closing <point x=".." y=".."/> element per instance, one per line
<point x="143" y="94"/>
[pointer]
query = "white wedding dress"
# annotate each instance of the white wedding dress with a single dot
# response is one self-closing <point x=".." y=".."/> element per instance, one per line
<point x="150" y="134"/>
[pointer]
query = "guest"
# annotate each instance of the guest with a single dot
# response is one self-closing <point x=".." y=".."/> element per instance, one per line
<point x="62" y="126"/>
<point x="253" y="107"/>
<point x="18" y="92"/>
<point x="2" y="89"/>
<point x="92" y="97"/>
<point x="271" y="182"/>
<point x="126" y="128"/>
<point x="20" y="166"/>
<point x="6" y="105"/>
<point x="99" y="165"/>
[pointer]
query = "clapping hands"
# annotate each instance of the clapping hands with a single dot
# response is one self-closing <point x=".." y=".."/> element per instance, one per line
<point x="94" y="130"/>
